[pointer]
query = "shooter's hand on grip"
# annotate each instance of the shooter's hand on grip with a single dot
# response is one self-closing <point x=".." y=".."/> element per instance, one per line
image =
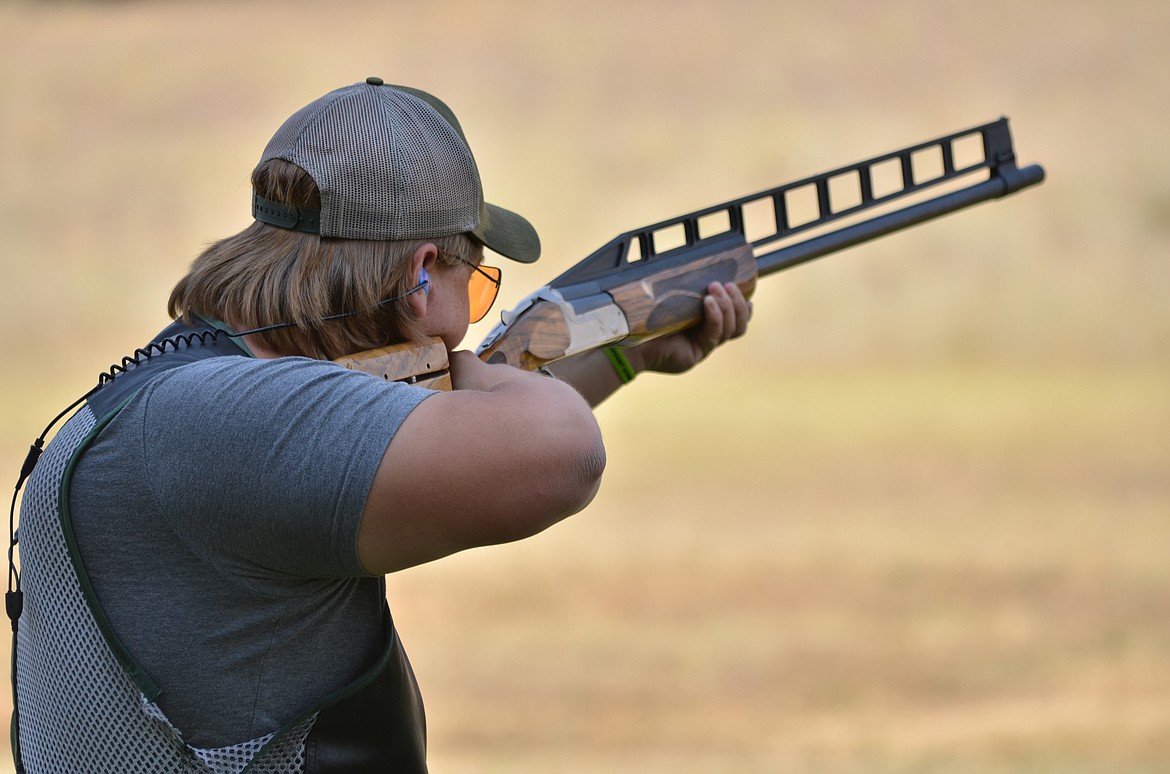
<point x="468" y="372"/>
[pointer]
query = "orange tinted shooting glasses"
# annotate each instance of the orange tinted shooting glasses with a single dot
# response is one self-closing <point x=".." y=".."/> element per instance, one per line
<point x="482" y="287"/>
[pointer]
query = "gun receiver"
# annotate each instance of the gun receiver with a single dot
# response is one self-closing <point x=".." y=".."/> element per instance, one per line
<point x="650" y="281"/>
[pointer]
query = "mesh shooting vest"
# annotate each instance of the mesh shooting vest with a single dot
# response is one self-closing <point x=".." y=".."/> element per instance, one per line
<point x="85" y="706"/>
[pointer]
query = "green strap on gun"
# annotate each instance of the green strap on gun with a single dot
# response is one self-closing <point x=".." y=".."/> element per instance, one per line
<point x="650" y="282"/>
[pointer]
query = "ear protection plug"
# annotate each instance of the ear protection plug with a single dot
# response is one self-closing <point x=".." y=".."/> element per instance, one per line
<point x="424" y="280"/>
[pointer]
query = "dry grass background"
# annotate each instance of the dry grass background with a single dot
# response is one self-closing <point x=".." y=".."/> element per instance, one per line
<point x="916" y="521"/>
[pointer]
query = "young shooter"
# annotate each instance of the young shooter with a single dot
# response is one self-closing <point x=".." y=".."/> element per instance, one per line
<point x="204" y="542"/>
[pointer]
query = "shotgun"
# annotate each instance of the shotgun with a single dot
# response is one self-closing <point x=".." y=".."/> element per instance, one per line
<point x="650" y="282"/>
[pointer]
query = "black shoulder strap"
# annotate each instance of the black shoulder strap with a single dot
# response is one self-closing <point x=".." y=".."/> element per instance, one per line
<point x="178" y="344"/>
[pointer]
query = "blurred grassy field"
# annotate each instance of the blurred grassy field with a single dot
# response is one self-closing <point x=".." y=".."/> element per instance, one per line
<point x="918" y="520"/>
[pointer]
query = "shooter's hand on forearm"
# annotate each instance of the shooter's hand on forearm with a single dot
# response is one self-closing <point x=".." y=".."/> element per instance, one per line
<point x="725" y="316"/>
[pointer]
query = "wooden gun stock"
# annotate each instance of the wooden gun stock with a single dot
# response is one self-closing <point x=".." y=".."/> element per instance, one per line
<point x="424" y="364"/>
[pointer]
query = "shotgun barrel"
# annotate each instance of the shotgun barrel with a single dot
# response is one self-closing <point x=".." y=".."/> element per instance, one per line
<point x="813" y="203"/>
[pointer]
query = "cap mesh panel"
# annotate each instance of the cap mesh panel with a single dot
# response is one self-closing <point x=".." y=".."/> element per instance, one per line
<point x="437" y="173"/>
<point x="387" y="165"/>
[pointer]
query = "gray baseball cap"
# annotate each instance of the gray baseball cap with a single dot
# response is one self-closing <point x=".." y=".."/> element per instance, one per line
<point x="390" y="162"/>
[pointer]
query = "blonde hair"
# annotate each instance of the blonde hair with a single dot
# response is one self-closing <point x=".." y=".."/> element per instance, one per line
<point x="267" y="275"/>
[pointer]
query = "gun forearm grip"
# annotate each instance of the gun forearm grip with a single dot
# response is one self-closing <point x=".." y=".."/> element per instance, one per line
<point x="672" y="299"/>
<point x="665" y="298"/>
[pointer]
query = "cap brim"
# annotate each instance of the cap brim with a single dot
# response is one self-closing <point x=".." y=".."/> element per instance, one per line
<point x="508" y="234"/>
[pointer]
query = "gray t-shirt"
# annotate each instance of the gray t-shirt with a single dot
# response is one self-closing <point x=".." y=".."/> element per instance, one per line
<point x="217" y="519"/>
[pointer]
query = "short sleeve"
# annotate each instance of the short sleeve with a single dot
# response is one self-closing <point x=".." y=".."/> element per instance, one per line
<point x="264" y="466"/>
